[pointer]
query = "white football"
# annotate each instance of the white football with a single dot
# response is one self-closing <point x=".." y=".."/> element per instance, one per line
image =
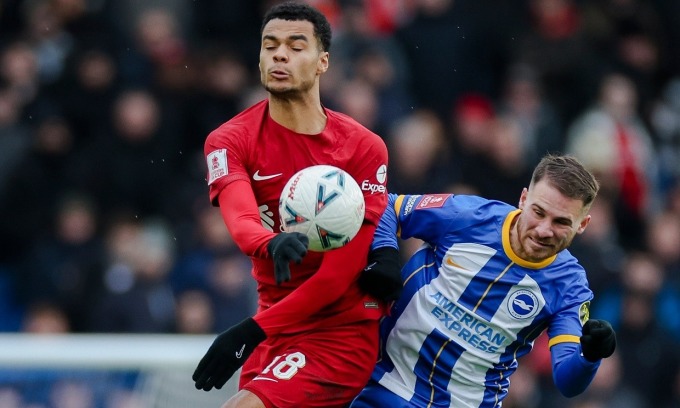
<point x="325" y="203"/>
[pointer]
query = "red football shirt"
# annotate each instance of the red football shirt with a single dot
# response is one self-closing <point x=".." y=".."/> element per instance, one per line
<point x="252" y="147"/>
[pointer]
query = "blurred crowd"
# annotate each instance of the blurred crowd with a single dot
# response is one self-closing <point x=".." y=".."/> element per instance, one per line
<point x="105" y="221"/>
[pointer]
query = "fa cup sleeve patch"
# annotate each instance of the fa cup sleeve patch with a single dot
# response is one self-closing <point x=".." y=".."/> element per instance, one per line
<point x="432" y="201"/>
<point x="217" y="165"/>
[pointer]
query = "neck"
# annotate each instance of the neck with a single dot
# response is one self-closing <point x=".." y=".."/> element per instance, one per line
<point x="301" y="115"/>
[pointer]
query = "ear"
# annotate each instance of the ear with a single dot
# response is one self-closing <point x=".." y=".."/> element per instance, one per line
<point x="322" y="64"/>
<point x="523" y="198"/>
<point x="584" y="223"/>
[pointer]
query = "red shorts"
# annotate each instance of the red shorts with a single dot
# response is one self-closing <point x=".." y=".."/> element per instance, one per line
<point x="324" y="368"/>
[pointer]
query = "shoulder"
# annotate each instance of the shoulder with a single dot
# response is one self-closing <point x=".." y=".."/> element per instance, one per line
<point x="476" y="206"/>
<point x="241" y="124"/>
<point x="568" y="269"/>
<point x="480" y="207"/>
<point x="350" y="127"/>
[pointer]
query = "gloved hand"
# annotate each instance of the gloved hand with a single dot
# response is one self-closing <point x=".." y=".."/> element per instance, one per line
<point x="284" y="248"/>
<point x="598" y="340"/>
<point x="381" y="278"/>
<point x="227" y="354"/>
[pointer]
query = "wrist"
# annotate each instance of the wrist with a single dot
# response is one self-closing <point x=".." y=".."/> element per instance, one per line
<point x="387" y="255"/>
<point x="253" y="330"/>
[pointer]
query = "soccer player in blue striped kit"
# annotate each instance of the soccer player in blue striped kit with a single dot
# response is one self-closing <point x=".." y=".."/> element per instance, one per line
<point x="488" y="281"/>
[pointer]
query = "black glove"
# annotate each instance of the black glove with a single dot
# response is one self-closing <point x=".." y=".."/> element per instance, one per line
<point x="227" y="354"/>
<point x="284" y="248"/>
<point x="598" y="340"/>
<point x="381" y="278"/>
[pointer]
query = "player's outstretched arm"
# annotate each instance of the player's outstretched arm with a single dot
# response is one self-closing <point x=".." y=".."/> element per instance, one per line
<point x="241" y="215"/>
<point x="381" y="277"/>
<point x="338" y="271"/>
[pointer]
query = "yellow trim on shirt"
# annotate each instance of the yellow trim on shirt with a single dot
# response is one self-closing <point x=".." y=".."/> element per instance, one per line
<point x="563" y="338"/>
<point x="507" y="224"/>
<point x="397" y="207"/>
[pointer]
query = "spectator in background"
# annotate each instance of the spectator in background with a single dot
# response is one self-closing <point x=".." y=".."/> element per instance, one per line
<point x="472" y="119"/>
<point x="45" y="318"/>
<point x="525" y="390"/>
<point x="20" y="73"/>
<point x="523" y="100"/>
<point x="675" y="388"/>
<point x="663" y="241"/>
<point x="506" y="166"/>
<point x="613" y="141"/>
<point x="552" y="42"/>
<point x="359" y="99"/>
<point x="15" y="138"/>
<point x="663" y="244"/>
<point x="362" y="52"/>
<point x="65" y="267"/>
<point x="10" y="397"/>
<point x="665" y="123"/>
<point x="211" y="263"/>
<point x="194" y="313"/>
<point x="134" y="163"/>
<point x="234" y="22"/>
<point x="628" y="34"/>
<point x="222" y="79"/>
<point x="87" y="90"/>
<point x="137" y="297"/>
<point x="608" y="389"/>
<point x="232" y="290"/>
<point x="418" y="147"/>
<point x="635" y="307"/>
<point x="72" y="393"/>
<point x="453" y="48"/>
<point x="48" y="39"/>
<point x="200" y="241"/>
<point x="159" y="53"/>
<point x="599" y="249"/>
<point x="38" y="182"/>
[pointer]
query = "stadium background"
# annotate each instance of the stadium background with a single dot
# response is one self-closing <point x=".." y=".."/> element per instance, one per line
<point x="105" y="225"/>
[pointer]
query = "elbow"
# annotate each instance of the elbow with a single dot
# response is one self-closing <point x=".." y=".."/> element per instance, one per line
<point x="570" y="386"/>
<point x="570" y="392"/>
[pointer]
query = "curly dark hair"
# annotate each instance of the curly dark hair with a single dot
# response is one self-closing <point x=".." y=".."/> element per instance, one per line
<point x="293" y="11"/>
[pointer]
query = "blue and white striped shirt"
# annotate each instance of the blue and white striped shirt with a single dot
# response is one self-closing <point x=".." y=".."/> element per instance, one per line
<point x="471" y="307"/>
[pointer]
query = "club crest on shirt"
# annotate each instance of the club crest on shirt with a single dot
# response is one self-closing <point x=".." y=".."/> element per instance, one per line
<point x="523" y="304"/>
<point x="217" y="165"/>
<point x="584" y="312"/>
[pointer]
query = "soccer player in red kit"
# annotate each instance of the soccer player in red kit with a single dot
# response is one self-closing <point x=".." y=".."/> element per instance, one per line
<point x="314" y="340"/>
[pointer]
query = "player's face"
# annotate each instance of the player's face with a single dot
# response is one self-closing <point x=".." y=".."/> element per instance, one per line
<point x="291" y="59"/>
<point x="548" y="222"/>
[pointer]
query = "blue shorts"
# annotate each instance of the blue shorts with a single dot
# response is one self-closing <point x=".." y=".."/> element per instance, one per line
<point x="375" y="395"/>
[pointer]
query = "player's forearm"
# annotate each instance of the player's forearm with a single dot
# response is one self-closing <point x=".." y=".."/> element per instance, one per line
<point x="386" y="233"/>
<point x="240" y="213"/>
<point x="572" y="373"/>
<point x="339" y="270"/>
